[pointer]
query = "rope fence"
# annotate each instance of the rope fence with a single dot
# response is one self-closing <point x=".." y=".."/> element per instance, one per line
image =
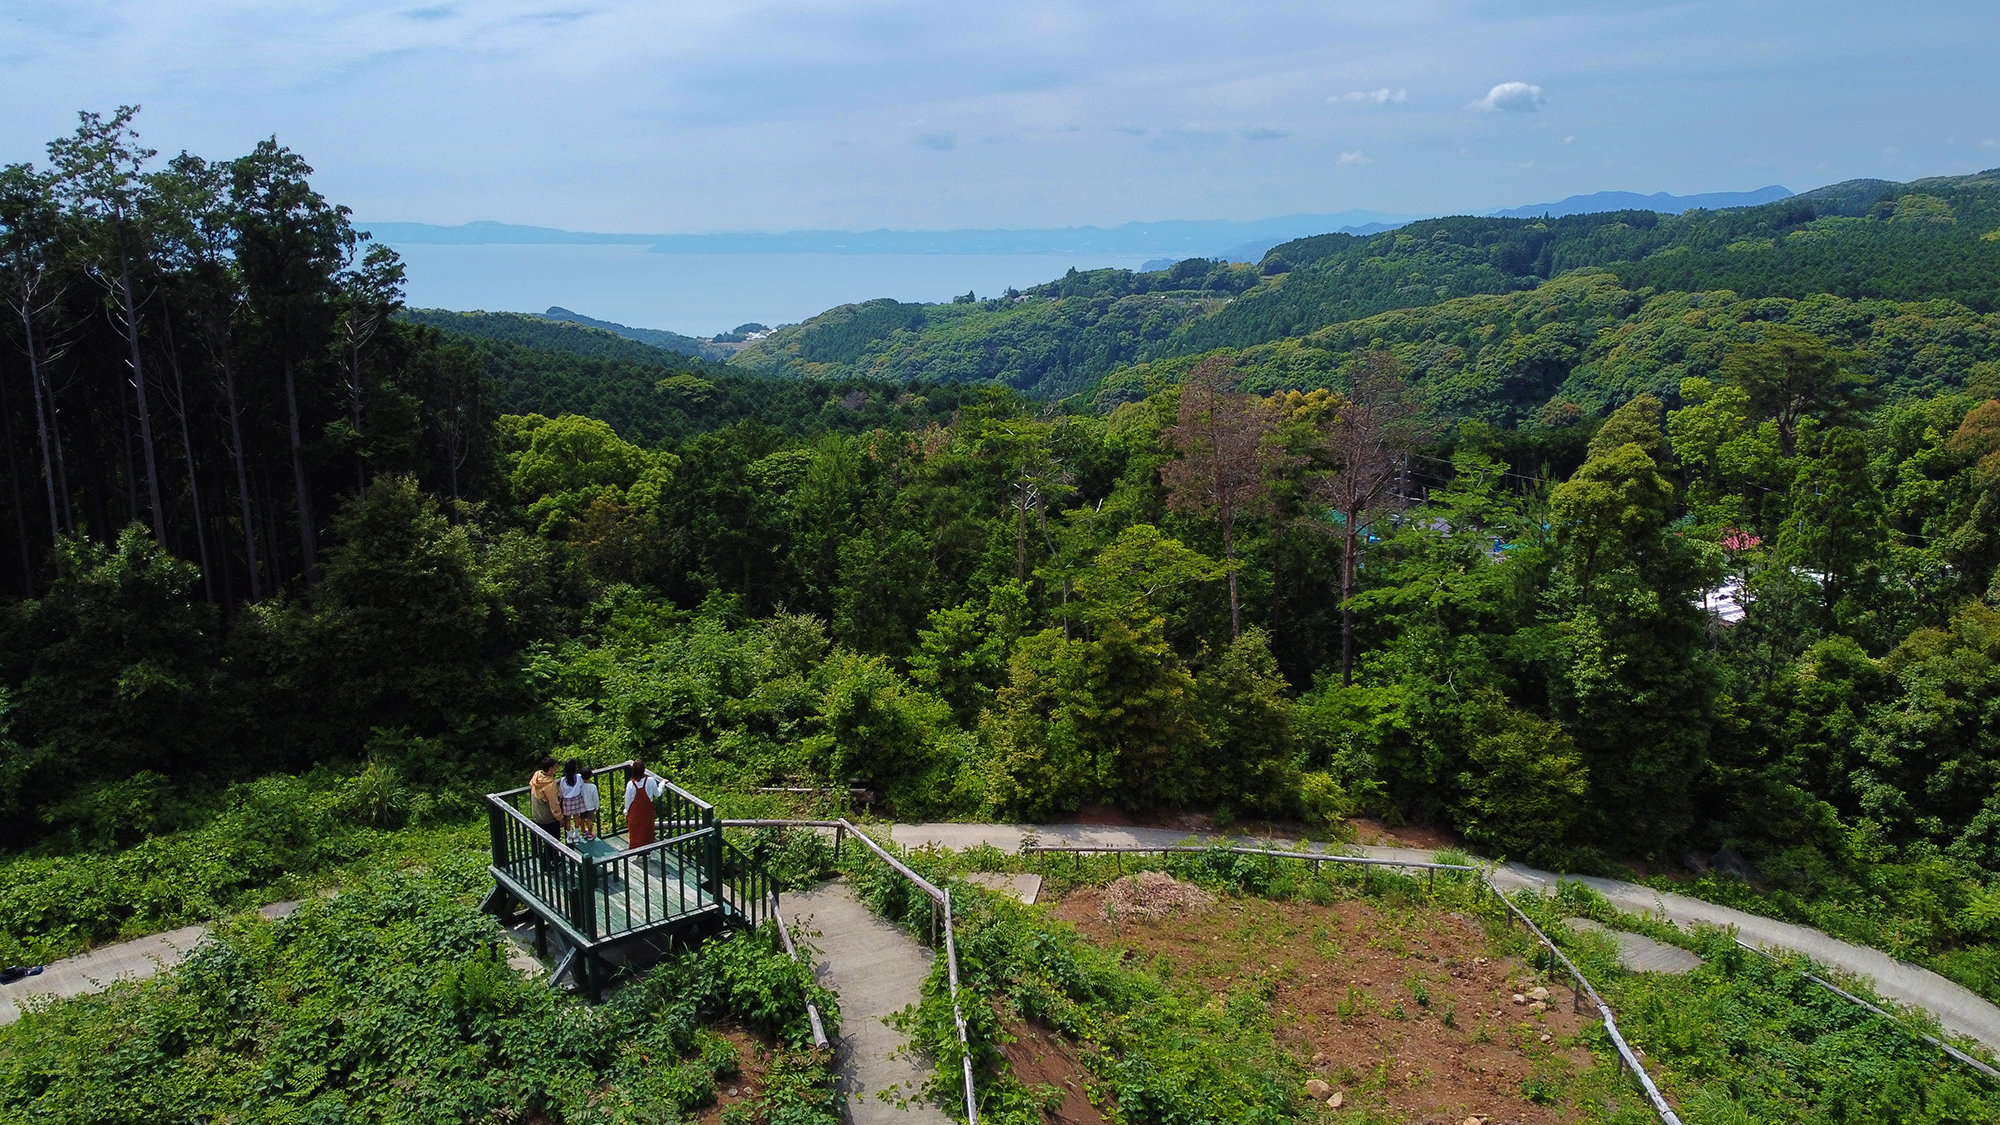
<point x="812" y="1009"/>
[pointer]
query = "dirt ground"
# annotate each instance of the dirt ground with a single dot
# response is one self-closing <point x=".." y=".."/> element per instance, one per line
<point x="1041" y="1057"/>
<point x="754" y="1057"/>
<point x="1367" y="831"/>
<point x="1375" y="833"/>
<point x="1403" y="1013"/>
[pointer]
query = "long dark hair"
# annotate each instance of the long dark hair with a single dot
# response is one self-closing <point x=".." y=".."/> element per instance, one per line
<point x="636" y="772"/>
<point x="571" y="769"/>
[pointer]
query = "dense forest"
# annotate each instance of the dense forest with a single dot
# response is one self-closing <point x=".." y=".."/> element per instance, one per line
<point x="1615" y="542"/>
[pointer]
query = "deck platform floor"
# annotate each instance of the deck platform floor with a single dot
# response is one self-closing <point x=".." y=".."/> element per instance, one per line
<point x="633" y="896"/>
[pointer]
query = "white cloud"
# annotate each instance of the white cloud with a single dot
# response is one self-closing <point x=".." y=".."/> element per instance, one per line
<point x="1265" y="133"/>
<point x="1512" y="97"/>
<point x="1989" y="143"/>
<point x="1570" y="140"/>
<point x="1356" y="158"/>
<point x="1383" y="96"/>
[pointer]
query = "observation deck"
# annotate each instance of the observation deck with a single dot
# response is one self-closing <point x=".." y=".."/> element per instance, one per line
<point x="603" y="895"/>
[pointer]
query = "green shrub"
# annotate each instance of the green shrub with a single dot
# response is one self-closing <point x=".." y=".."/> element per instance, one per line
<point x="394" y="1002"/>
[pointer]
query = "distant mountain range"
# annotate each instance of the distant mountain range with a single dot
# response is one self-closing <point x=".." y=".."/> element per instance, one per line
<point x="1665" y="204"/>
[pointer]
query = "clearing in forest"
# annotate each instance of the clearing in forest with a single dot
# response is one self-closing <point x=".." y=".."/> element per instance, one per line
<point x="1403" y="1013"/>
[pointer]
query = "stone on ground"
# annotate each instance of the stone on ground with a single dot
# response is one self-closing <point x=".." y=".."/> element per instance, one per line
<point x="1027" y="888"/>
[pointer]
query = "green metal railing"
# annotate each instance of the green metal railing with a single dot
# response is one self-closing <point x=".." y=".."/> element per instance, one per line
<point x="596" y="892"/>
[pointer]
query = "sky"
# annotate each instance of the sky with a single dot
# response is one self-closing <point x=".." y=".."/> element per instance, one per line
<point x="668" y="116"/>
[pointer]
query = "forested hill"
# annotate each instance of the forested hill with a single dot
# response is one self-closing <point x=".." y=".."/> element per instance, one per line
<point x="1570" y="349"/>
<point x="667" y="399"/>
<point x="1926" y="240"/>
<point x="1050" y="341"/>
<point x="563" y="331"/>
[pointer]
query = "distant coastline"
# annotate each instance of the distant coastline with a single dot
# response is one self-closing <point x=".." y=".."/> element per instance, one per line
<point x="1179" y="238"/>
<point x="1168" y="240"/>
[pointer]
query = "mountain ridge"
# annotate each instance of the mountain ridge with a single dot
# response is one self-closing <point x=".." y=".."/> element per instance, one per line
<point x="1660" y="202"/>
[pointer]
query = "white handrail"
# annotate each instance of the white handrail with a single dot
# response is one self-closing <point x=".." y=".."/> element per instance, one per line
<point x="812" y="1009"/>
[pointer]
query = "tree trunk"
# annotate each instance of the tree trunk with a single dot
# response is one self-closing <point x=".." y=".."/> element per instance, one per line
<point x="1229" y="554"/>
<point x="20" y="510"/>
<point x="62" y="462"/>
<point x="145" y="411"/>
<point x="131" y="470"/>
<point x="1346" y="601"/>
<point x="354" y="403"/>
<point x="306" y="527"/>
<point x="187" y="448"/>
<point x="242" y="477"/>
<point x="1020" y="538"/>
<point x="273" y="529"/>
<point x="42" y="419"/>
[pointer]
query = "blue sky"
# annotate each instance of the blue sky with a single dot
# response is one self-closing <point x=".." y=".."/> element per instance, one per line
<point x="721" y="115"/>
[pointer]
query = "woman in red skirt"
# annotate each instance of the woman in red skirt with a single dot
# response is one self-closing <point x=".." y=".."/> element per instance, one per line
<point x="640" y="790"/>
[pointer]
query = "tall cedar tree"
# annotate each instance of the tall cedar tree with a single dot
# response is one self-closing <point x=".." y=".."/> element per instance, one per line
<point x="98" y="172"/>
<point x="1222" y="438"/>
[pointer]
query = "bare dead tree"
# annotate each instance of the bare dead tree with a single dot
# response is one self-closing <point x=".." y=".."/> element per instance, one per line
<point x="187" y="450"/>
<point x="1223" y="438"/>
<point x="1365" y="446"/>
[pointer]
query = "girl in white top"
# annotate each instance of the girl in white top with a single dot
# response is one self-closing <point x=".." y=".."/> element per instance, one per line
<point x="579" y="799"/>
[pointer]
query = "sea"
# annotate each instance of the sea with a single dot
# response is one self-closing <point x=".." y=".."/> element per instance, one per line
<point x="703" y="294"/>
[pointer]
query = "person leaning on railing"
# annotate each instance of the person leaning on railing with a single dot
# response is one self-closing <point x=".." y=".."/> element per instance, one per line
<point x="544" y="796"/>
<point x="641" y="790"/>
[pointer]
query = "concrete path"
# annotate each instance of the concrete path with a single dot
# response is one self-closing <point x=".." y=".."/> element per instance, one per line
<point x="104" y="966"/>
<point x="877" y="970"/>
<point x="1027" y="888"/>
<point x="1639" y="953"/>
<point x="100" y="968"/>
<point x="1958" y="1009"/>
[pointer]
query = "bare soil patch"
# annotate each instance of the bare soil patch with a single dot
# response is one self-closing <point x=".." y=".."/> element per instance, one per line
<point x="753" y="1060"/>
<point x="1376" y="834"/>
<point x="1042" y="1057"/>
<point x="1405" y="1013"/>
